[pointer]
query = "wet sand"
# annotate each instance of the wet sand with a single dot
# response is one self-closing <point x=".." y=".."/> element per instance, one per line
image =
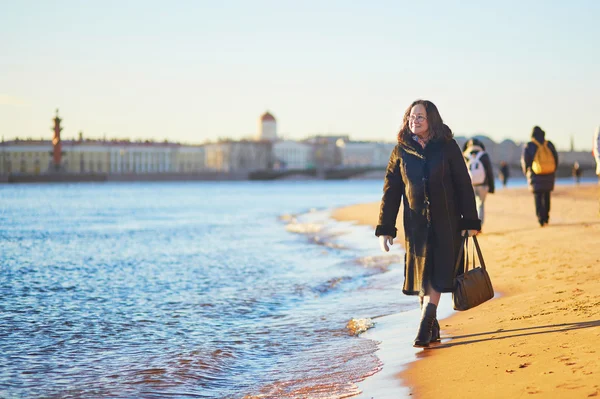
<point x="540" y="337"/>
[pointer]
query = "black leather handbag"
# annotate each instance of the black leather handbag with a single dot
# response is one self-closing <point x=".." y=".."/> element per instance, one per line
<point x="473" y="287"/>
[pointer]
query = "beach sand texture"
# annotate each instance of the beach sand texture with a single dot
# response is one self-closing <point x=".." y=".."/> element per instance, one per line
<point x="541" y="336"/>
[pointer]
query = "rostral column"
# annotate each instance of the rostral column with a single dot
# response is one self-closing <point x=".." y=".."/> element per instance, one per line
<point x="56" y="143"/>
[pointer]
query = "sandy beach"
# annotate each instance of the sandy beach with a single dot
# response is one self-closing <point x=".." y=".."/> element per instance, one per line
<point x="541" y="335"/>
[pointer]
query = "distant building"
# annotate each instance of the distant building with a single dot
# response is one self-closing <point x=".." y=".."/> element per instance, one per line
<point x="125" y="157"/>
<point x="326" y="153"/>
<point x="365" y="153"/>
<point x="114" y="157"/>
<point x="238" y="156"/>
<point x="99" y="156"/>
<point x="267" y="128"/>
<point x="190" y="159"/>
<point x="119" y="157"/>
<point x="25" y="156"/>
<point x="507" y="151"/>
<point x="292" y="155"/>
<point x="585" y="159"/>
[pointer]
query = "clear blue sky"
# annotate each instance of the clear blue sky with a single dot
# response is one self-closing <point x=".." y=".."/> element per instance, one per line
<point x="197" y="70"/>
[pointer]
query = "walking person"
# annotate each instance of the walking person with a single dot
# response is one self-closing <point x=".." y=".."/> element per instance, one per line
<point x="504" y="173"/>
<point x="428" y="174"/>
<point x="577" y="172"/>
<point x="539" y="161"/>
<point x="596" y="152"/>
<point x="481" y="173"/>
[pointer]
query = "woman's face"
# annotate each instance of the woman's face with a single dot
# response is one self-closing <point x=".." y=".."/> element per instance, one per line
<point x="417" y="121"/>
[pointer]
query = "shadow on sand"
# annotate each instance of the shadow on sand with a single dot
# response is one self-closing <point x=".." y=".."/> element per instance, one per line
<point x="517" y="332"/>
<point x="505" y="232"/>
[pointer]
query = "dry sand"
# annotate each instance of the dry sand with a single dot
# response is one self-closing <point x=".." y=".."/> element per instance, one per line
<point x="541" y="336"/>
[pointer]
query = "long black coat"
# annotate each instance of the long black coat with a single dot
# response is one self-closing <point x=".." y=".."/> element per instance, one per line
<point x="435" y="188"/>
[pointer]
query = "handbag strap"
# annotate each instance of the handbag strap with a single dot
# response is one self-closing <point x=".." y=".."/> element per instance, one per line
<point x="465" y="243"/>
<point x="460" y="252"/>
<point x="479" y="255"/>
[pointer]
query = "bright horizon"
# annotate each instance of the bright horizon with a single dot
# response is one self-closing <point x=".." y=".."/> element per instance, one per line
<point x="199" y="70"/>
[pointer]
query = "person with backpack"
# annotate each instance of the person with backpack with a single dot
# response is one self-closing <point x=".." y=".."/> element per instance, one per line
<point x="481" y="172"/>
<point x="539" y="161"/>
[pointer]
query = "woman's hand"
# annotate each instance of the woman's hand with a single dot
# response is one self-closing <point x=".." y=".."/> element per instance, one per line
<point x="471" y="232"/>
<point x="383" y="242"/>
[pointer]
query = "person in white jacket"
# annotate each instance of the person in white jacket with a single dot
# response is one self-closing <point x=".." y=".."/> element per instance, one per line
<point x="596" y="151"/>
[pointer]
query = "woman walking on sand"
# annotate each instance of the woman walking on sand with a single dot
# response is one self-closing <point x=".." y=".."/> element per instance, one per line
<point x="427" y="172"/>
<point x="539" y="161"/>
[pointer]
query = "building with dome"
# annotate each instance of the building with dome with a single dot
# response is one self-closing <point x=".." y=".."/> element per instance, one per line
<point x="267" y="127"/>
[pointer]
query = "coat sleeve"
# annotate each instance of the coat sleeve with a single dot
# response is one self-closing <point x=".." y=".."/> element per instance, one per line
<point x="489" y="172"/>
<point x="527" y="157"/>
<point x="393" y="190"/>
<point x="463" y="189"/>
<point x="553" y="149"/>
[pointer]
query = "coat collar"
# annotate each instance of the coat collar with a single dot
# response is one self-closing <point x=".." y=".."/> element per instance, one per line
<point x="414" y="148"/>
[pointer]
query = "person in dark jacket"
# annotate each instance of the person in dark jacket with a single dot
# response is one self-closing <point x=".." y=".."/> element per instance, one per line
<point x="504" y="173"/>
<point x="428" y="175"/>
<point x="577" y="171"/>
<point x="596" y="153"/>
<point x="540" y="184"/>
<point x="475" y="156"/>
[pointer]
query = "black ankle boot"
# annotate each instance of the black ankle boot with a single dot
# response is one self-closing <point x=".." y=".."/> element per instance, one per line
<point x="435" y="330"/>
<point x="427" y="321"/>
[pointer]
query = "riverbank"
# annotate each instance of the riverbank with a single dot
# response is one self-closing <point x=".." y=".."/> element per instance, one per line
<point x="540" y="335"/>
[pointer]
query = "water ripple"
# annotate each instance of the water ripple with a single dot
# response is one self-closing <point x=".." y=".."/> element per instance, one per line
<point x="179" y="290"/>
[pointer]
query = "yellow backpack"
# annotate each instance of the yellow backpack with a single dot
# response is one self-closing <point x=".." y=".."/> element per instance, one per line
<point x="543" y="160"/>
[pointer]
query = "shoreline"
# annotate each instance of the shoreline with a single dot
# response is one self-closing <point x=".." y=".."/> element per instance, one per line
<point x="538" y="336"/>
<point x="395" y="333"/>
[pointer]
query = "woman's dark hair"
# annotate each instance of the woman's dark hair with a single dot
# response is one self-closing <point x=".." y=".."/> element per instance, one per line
<point x="437" y="129"/>
<point x="472" y="142"/>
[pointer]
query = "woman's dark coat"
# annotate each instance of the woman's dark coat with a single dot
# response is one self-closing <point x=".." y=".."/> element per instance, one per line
<point x="435" y="188"/>
<point x="538" y="183"/>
